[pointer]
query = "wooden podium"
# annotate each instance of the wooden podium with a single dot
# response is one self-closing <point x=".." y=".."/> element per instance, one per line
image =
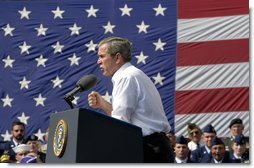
<point x="85" y="136"/>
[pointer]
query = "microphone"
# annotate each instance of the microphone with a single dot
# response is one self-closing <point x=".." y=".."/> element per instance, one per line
<point x="85" y="83"/>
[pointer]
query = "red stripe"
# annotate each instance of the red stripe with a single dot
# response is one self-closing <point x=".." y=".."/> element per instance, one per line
<point x="211" y="8"/>
<point x="213" y="52"/>
<point x="214" y="100"/>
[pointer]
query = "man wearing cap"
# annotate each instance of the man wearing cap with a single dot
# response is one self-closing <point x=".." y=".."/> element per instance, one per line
<point x="18" y="133"/>
<point x="218" y="152"/>
<point x="195" y="134"/>
<point x="236" y="128"/>
<point x="202" y="154"/>
<point x="33" y="142"/>
<point x="182" y="150"/>
<point x="21" y="151"/>
<point x="240" y="153"/>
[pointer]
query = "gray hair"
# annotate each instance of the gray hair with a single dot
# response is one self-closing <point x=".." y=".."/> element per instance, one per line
<point x="118" y="45"/>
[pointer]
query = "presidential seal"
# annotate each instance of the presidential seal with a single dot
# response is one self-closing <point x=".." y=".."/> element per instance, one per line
<point x="60" y="138"/>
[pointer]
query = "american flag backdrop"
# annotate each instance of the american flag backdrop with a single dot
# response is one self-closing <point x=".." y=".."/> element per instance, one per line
<point x="195" y="51"/>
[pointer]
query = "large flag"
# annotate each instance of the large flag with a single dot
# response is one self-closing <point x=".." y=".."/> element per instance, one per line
<point x="196" y="55"/>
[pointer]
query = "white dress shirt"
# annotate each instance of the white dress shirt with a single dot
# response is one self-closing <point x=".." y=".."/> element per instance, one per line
<point x="136" y="100"/>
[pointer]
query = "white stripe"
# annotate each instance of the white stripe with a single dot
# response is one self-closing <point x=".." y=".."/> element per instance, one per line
<point x="219" y="120"/>
<point x="214" y="28"/>
<point x="212" y="76"/>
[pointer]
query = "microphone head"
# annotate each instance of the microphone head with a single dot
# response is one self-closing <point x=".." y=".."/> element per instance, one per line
<point x="87" y="82"/>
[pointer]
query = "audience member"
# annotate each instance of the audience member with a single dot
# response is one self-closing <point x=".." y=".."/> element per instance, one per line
<point x="21" y="151"/>
<point x="195" y="134"/>
<point x="182" y="151"/>
<point x="240" y="153"/>
<point x="218" y="152"/>
<point x="18" y="133"/>
<point x="172" y="139"/>
<point x="236" y="128"/>
<point x="202" y="154"/>
<point x="43" y="147"/>
<point x="33" y="142"/>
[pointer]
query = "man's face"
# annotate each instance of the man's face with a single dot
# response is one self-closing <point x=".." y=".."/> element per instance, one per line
<point x="106" y="62"/>
<point x="238" y="149"/>
<point x="20" y="155"/>
<point x="218" y="152"/>
<point x="18" y="132"/>
<point x="236" y="129"/>
<point x="181" y="151"/>
<point x="208" y="137"/>
<point x="195" y="135"/>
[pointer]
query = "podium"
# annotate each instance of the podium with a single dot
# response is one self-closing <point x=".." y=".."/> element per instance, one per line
<point x="84" y="136"/>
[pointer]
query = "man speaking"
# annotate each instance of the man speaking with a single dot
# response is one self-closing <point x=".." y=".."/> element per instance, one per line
<point x="135" y="99"/>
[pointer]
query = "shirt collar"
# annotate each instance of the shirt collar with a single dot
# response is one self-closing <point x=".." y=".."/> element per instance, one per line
<point x="180" y="161"/>
<point x="118" y="73"/>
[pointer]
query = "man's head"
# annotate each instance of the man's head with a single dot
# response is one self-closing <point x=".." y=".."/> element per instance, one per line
<point x="21" y="151"/>
<point x="194" y="132"/>
<point x="239" y="145"/>
<point x="209" y="134"/>
<point x="181" y="148"/>
<point x="18" y="130"/>
<point x="113" y="52"/>
<point x="236" y="127"/>
<point x="33" y="142"/>
<point x="218" y="149"/>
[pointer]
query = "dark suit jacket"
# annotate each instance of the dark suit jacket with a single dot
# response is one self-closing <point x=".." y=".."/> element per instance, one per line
<point x="200" y="155"/>
<point x="7" y="146"/>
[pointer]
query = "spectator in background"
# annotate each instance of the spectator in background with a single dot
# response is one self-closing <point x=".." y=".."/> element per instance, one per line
<point x="182" y="151"/>
<point x="172" y="139"/>
<point x="21" y="151"/>
<point x="203" y="154"/>
<point x="195" y="134"/>
<point x="240" y="153"/>
<point x="33" y="142"/>
<point x="236" y="128"/>
<point x="43" y="147"/>
<point x="18" y="134"/>
<point x="218" y="152"/>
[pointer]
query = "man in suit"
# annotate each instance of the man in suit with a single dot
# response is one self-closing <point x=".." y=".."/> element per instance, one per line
<point x="18" y="134"/>
<point x="202" y="154"/>
<point x="182" y="151"/>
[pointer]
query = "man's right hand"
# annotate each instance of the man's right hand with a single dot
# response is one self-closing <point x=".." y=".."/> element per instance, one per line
<point x="95" y="100"/>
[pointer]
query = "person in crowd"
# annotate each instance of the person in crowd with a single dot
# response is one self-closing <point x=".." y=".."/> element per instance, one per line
<point x="135" y="98"/>
<point x="172" y="139"/>
<point x="240" y="153"/>
<point x="195" y="134"/>
<point x="182" y="151"/>
<point x="218" y="152"/>
<point x="5" y="157"/>
<point x="21" y="151"/>
<point x="33" y="142"/>
<point x="203" y="154"/>
<point x="18" y="137"/>
<point x="43" y="147"/>
<point x="236" y="127"/>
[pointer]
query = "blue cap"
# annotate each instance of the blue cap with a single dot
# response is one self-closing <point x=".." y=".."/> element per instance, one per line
<point x="28" y="159"/>
<point x="217" y="141"/>
<point x="181" y="140"/>
<point x="235" y="121"/>
<point x="209" y="129"/>
<point x="239" y="140"/>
